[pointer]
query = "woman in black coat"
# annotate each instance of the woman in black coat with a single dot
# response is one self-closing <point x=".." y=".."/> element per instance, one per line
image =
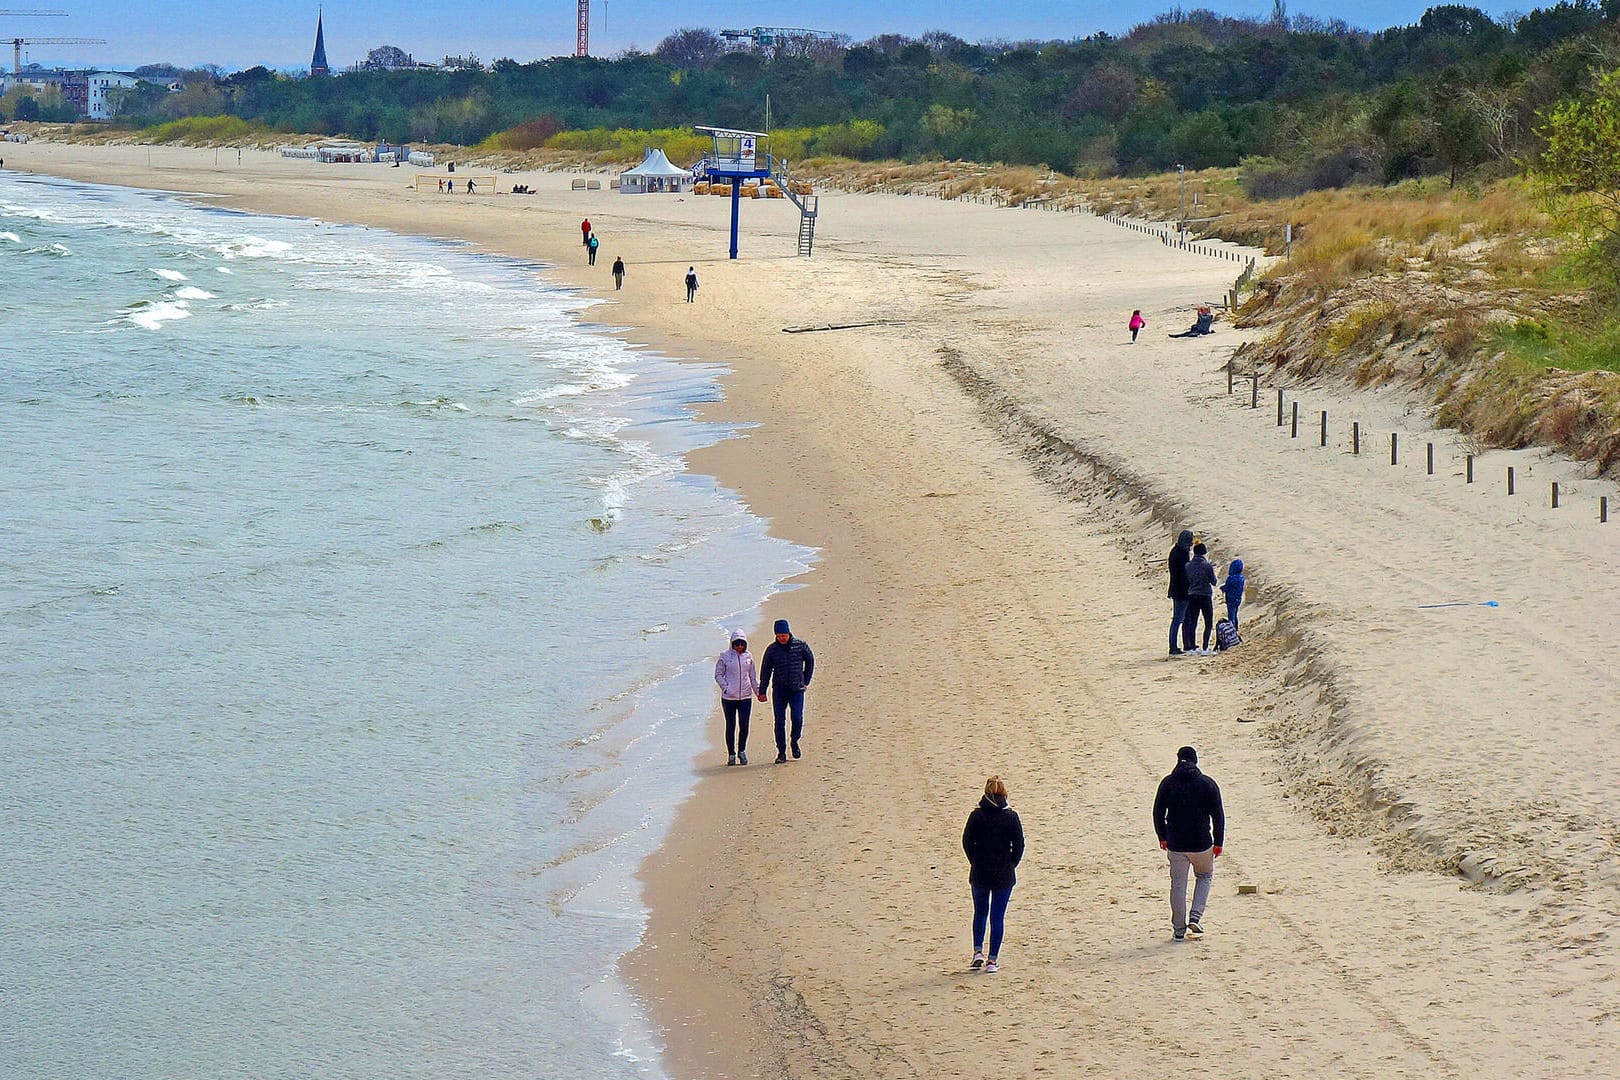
<point x="994" y="842"/>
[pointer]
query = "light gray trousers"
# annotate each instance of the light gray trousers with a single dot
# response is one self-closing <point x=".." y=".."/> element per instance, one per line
<point x="1202" y="864"/>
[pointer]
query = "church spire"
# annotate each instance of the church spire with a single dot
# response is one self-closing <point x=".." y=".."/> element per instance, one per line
<point x="317" y="64"/>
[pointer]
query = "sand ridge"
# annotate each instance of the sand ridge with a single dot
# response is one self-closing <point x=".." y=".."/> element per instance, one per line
<point x="992" y="478"/>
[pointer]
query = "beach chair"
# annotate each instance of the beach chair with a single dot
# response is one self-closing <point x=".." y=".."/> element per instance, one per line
<point x="593" y="185"/>
<point x="579" y="185"/>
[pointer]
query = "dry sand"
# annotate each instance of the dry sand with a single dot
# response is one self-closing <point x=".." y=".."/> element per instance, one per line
<point x="993" y="477"/>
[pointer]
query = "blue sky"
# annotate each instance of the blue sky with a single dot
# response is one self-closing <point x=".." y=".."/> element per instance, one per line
<point x="279" y="34"/>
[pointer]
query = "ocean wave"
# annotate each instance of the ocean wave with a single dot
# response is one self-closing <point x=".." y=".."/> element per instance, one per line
<point x="152" y="314"/>
<point x="55" y="250"/>
<point x="191" y="292"/>
<point x="168" y="275"/>
<point x="260" y="304"/>
<point x="11" y="236"/>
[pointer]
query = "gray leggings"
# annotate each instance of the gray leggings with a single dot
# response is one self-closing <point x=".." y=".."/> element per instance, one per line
<point x="1202" y="864"/>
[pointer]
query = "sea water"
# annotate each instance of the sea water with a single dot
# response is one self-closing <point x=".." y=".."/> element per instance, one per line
<point x="357" y="619"/>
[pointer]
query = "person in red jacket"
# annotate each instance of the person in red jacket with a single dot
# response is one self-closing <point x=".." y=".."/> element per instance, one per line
<point x="585" y="231"/>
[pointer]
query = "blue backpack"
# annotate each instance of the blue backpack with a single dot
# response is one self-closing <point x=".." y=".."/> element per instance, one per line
<point x="1226" y="635"/>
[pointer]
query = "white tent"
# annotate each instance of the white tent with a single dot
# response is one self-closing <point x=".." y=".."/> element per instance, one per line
<point x="655" y="173"/>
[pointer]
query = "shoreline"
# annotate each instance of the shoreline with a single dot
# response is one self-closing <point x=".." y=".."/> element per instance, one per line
<point x="970" y="615"/>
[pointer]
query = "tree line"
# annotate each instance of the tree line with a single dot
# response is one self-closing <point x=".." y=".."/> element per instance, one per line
<point x="1301" y="102"/>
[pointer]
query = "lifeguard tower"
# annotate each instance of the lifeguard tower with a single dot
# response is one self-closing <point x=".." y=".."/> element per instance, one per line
<point x="745" y="155"/>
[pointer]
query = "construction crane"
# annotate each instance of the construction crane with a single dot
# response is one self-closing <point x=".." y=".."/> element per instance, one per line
<point x="17" y="43"/>
<point x="582" y="41"/>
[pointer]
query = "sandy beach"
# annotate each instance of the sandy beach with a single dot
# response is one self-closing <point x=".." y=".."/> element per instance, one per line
<point x="993" y="475"/>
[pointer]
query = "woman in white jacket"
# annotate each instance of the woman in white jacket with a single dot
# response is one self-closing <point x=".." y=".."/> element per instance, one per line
<point x="734" y="672"/>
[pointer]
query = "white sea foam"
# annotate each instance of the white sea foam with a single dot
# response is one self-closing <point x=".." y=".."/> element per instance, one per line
<point x="167" y="275"/>
<point x="11" y="236"/>
<point x="191" y="292"/>
<point x="152" y="315"/>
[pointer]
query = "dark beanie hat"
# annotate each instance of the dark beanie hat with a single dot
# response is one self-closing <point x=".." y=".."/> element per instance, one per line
<point x="1187" y="753"/>
<point x="1185" y="538"/>
<point x="781" y="627"/>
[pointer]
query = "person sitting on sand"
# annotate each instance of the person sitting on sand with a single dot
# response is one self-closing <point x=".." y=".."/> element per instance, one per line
<point x="734" y="672"/>
<point x="994" y="843"/>
<point x="1203" y="324"/>
<point x="1232" y="589"/>
<point x="1200" y="600"/>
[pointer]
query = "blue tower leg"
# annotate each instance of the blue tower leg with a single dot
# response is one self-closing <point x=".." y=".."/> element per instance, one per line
<point x="736" y="201"/>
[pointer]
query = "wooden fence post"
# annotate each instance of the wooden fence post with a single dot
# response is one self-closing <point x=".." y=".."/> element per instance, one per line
<point x="1392" y="451"/>
<point x="1603" y="510"/>
<point x="1254" y="390"/>
<point x="1324" y="427"/>
<point x="1510" y="479"/>
<point x="1293" y="431"/>
<point x="1355" y="437"/>
<point x="1228" y="374"/>
<point x="1470" y="468"/>
<point x="1279" y="407"/>
<point x="1431" y="459"/>
<point x="1555" y="494"/>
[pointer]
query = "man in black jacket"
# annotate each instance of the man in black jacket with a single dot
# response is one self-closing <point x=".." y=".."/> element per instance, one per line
<point x="1191" y="826"/>
<point x="1178" y="591"/>
<point x="790" y="662"/>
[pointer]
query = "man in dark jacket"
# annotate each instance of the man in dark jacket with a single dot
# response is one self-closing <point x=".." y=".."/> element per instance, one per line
<point x="790" y="662"/>
<point x="1191" y="826"/>
<point x="1179" y="555"/>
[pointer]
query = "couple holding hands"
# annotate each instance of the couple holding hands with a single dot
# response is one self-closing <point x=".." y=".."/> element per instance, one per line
<point x="789" y="661"/>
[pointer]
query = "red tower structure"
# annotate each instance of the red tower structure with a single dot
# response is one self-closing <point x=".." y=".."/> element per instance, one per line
<point x="582" y="42"/>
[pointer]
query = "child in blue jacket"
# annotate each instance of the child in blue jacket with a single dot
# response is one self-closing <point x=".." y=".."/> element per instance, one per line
<point x="1233" y="588"/>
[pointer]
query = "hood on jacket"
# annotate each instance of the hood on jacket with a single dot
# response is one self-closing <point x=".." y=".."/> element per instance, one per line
<point x="1236" y="567"/>
<point x="993" y="802"/>
<point x="737" y="635"/>
<point x="1185" y="540"/>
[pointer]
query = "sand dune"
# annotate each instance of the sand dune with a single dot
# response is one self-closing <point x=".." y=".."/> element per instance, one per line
<point x="993" y="475"/>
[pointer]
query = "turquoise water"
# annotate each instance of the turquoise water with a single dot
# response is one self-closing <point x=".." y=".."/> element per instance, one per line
<point x="356" y="622"/>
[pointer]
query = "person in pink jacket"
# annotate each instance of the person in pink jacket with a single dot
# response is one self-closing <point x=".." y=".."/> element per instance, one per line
<point x="1137" y="322"/>
<point x="738" y="682"/>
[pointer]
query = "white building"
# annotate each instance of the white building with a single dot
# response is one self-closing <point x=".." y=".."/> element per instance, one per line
<point x="94" y="93"/>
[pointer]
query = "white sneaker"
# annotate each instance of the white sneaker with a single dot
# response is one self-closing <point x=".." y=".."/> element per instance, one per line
<point x="991" y="967"/>
<point x="978" y="961"/>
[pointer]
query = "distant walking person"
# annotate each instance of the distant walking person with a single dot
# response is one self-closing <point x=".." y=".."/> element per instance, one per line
<point x="790" y="662"/>
<point x="585" y="231"/>
<point x="691" y="283"/>
<point x="994" y="842"/>
<point x="469" y="187"/>
<point x="734" y="672"/>
<point x="591" y="244"/>
<point x="1191" y="826"/>
<point x="618" y="274"/>
<point x="1137" y="322"/>
<point x="1200" y="599"/>
<point x="1179" y="557"/>
<point x="1233" y="588"/>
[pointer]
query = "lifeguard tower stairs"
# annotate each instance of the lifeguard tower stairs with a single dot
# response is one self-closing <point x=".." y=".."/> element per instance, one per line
<point x="744" y="155"/>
